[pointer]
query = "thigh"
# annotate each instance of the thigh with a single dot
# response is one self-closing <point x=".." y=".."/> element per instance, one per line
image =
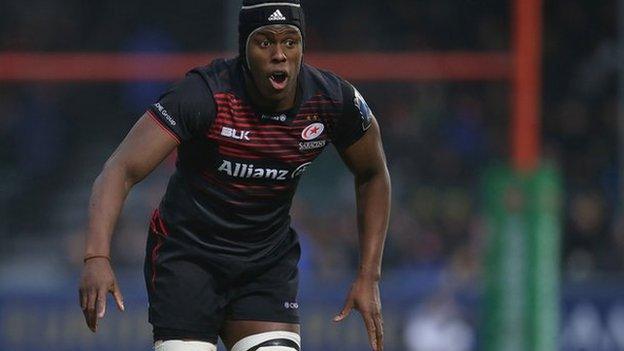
<point x="186" y="300"/>
<point x="234" y="331"/>
<point x="268" y="293"/>
<point x="265" y="300"/>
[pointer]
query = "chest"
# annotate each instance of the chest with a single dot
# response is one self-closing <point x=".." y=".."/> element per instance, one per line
<point x="240" y="133"/>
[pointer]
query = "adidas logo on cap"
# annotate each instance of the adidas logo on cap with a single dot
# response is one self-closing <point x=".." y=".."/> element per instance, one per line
<point x="277" y="16"/>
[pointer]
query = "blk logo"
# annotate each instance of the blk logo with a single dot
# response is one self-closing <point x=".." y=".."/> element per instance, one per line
<point x="235" y="134"/>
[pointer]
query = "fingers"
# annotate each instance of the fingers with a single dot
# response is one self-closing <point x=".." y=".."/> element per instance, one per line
<point x="82" y="299"/>
<point x="346" y="310"/>
<point x="372" y="331"/>
<point x="378" y="320"/>
<point x="101" y="303"/>
<point x="118" y="297"/>
<point x="96" y="282"/>
<point x="89" y="311"/>
<point x="93" y="304"/>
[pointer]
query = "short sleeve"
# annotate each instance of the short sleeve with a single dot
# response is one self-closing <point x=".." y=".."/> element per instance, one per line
<point x="355" y="120"/>
<point x="186" y="109"/>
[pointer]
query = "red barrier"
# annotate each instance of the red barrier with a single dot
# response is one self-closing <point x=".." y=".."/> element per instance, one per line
<point x="394" y="67"/>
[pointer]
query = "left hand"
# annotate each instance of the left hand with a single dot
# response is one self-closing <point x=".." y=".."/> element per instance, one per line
<point x="364" y="297"/>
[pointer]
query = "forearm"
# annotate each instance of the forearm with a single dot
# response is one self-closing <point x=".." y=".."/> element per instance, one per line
<point x="373" y="209"/>
<point x="109" y="192"/>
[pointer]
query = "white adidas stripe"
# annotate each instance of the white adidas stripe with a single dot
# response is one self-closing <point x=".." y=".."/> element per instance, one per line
<point x="270" y="4"/>
<point x="277" y="16"/>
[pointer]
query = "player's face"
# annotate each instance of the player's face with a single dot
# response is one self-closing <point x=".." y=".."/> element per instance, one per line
<point x="274" y="54"/>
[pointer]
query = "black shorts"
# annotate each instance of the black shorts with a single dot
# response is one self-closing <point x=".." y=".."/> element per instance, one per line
<point x="192" y="292"/>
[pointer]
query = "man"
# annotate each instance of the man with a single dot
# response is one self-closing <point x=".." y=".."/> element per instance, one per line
<point x="221" y="257"/>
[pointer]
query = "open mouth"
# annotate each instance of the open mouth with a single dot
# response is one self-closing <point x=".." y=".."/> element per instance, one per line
<point x="278" y="80"/>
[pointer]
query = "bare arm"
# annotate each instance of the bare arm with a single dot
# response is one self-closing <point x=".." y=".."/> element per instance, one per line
<point x="367" y="162"/>
<point x="143" y="149"/>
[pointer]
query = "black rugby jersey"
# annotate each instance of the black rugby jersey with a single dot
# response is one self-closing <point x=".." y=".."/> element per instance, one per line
<point x="238" y="167"/>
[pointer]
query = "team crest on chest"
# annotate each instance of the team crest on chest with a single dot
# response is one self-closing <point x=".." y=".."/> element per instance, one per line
<point x="313" y="131"/>
<point x="310" y="133"/>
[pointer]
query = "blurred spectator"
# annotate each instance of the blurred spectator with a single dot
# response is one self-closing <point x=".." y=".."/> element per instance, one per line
<point x="438" y="326"/>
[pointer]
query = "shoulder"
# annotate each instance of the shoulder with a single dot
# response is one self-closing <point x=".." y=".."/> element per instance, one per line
<point x="325" y="82"/>
<point x="192" y="86"/>
<point x="220" y="75"/>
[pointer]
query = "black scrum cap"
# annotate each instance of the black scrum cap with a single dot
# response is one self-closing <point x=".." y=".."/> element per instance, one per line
<point x="258" y="13"/>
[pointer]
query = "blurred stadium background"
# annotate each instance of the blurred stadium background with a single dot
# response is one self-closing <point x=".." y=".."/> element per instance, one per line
<point x="493" y="244"/>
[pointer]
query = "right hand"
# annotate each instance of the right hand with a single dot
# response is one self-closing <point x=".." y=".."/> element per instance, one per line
<point x="97" y="281"/>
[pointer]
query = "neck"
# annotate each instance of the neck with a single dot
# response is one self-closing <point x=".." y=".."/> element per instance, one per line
<point x="268" y="104"/>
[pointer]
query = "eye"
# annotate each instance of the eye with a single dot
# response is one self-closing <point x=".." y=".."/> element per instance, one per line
<point x="290" y="43"/>
<point x="265" y="43"/>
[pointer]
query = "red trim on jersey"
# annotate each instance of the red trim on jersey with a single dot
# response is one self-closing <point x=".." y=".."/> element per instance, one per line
<point x="273" y="142"/>
<point x="163" y="126"/>
<point x="314" y="110"/>
<point x="292" y="158"/>
<point x="155" y="250"/>
<point x="239" y="107"/>
<point x="157" y="224"/>
<point x="158" y="228"/>
<point x="261" y="149"/>
<point x="225" y="119"/>
<point x="285" y="135"/>
<point x="251" y="190"/>
<point x="257" y="140"/>
<point x="162" y="225"/>
<point x="153" y="220"/>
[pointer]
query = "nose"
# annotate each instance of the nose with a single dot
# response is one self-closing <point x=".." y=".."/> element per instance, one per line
<point x="278" y="54"/>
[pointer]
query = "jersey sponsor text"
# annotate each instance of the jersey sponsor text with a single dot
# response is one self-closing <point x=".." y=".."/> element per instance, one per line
<point x="235" y="134"/>
<point x="245" y="170"/>
<point x="281" y="118"/>
<point x="165" y="113"/>
<point x="312" y="145"/>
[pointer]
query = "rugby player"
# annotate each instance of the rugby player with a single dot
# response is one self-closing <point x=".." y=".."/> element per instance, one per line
<point x="221" y="257"/>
